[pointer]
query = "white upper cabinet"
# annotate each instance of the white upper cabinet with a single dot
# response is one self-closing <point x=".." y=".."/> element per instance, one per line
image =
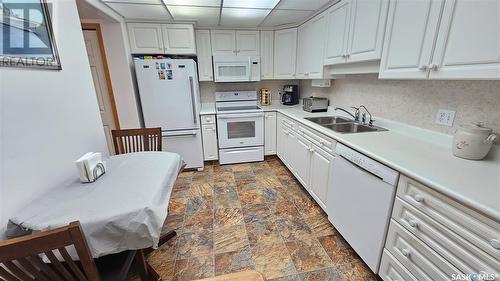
<point x="204" y="54"/>
<point x="179" y="39"/>
<point x="366" y="32"/>
<point x="150" y="38"/>
<point x="285" y="51"/>
<point x="468" y="42"/>
<point x="310" y="48"/>
<point x="247" y="42"/>
<point x="223" y="42"/>
<point x="231" y="42"/>
<point x="145" y="38"/>
<point x="338" y="32"/>
<point x="266" y="55"/>
<point x="355" y="31"/>
<point x="409" y="39"/>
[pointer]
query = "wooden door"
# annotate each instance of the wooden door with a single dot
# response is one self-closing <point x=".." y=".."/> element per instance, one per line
<point x="266" y="54"/>
<point x="102" y="84"/>
<point x="270" y="133"/>
<point x="366" y="33"/>
<point x="210" y="149"/>
<point x="204" y="54"/>
<point x="338" y="32"/>
<point x="468" y="44"/>
<point x="321" y="162"/>
<point x="301" y="151"/>
<point x="247" y="43"/>
<point x="178" y="39"/>
<point x="223" y="42"/>
<point x="409" y="38"/>
<point x="145" y="38"/>
<point x="285" y="53"/>
<point x="302" y="50"/>
<point x="316" y="47"/>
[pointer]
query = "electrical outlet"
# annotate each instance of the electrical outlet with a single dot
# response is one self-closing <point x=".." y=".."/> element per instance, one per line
<point x="445" y="117"/>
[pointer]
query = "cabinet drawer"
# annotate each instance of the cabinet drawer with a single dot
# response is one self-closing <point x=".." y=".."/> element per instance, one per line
<point x="393" y="270"/>
<point x="287" y="122"/>
<point x="458" y="251"/>
<point x="478" y="229"/>
<point x="418" y="258"/>
<point x="320" y="140"/>
<point x="207" y="119"/>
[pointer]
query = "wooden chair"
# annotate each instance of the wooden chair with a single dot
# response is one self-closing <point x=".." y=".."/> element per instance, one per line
<point x="20" y="257"/>
<point x="136" y="140"/>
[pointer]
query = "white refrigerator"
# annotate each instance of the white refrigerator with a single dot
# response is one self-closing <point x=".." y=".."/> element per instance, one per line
<point x="170" y="99"/>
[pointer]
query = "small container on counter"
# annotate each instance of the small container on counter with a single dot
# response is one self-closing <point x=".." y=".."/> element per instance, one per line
<point x="473" y="141"/>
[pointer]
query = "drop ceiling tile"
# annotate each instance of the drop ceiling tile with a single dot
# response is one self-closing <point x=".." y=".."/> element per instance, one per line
<point x="134" y="1"/>
<point x="206" y="3"/>
<point x="310" y="5"/>
<point x="141" y="11"/>
<point x="281" y="17"/>
<point x="256" y="4"/>
<point x="203" y="16"/>
<point x="233" y="17"/>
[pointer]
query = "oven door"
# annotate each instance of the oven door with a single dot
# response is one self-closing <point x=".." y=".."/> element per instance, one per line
<point x="240" y="130"/>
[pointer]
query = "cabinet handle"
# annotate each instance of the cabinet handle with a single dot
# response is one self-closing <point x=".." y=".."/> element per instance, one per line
<point x="419" y="198"/>
<point x="495" y="243"/>
<point x="311" y="149"/>
<point x="412" y="223"/>
<point x="423" y="67"/>
<point x="405" y="252"/>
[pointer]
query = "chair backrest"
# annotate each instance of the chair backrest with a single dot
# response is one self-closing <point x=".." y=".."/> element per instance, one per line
<point x="136" y="140"/>
<point x="20" y="257"/>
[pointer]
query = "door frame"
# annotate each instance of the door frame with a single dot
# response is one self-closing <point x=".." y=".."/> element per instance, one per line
<point x="97" y="28"/>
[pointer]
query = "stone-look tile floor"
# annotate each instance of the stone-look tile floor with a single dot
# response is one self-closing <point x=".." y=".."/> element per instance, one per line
<point x="251" y="216"/>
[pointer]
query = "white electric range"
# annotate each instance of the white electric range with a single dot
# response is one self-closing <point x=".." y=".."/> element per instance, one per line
<point x="240" y="127"/>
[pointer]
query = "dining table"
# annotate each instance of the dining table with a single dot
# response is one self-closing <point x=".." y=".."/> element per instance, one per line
<point x="123" y="210"/>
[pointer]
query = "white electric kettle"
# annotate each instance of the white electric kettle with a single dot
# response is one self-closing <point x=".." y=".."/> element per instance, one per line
<point x="473" y="141"/>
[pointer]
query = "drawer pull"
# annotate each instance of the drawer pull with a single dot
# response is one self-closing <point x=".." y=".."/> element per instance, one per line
<point x="405" y="252"/>
<point x="419" y="198"/>
<point x="413" y="223"/>
<point x="495" y="243"/>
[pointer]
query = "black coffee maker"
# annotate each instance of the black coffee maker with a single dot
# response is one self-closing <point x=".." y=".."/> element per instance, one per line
<point x="290" y="95"/>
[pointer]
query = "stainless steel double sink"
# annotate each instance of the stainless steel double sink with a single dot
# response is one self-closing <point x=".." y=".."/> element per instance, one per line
<point x="343" y="125"/>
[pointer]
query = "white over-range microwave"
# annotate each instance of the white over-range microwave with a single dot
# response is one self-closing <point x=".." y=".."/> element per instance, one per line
<point x="236" y="68"/>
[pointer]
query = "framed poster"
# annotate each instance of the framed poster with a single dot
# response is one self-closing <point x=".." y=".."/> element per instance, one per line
<point x="26" y="37"/>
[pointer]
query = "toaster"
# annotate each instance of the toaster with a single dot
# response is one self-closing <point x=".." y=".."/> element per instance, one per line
<point x="315" y="104"/>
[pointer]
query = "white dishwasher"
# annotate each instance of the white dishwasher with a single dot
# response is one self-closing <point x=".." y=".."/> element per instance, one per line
<point x="359" y="204"/>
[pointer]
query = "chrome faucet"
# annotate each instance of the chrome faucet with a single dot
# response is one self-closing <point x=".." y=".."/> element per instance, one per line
<point x="363" y="118"/>
<point x="354" y="116"/>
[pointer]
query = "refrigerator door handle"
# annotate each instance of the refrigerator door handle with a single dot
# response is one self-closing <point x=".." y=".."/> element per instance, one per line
<point x="193" y="104"/>
<point x="179" y="133"/>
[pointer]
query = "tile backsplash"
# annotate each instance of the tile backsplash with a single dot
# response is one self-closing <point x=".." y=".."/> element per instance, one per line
<point x="208" y="89"/>
<point x="416" y="102"/>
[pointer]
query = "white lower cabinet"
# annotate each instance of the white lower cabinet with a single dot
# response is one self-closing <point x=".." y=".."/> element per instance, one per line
<point x="209" y="134"/>
<point x="321" y="163"/>
<point x="308" y="154"/>
<point x="270" y="133"/>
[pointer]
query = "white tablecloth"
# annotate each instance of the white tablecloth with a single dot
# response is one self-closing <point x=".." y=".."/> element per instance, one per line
<point x="124" y="210"/>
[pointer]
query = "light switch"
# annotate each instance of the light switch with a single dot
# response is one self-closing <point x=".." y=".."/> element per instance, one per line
<point x="445" y="117"/>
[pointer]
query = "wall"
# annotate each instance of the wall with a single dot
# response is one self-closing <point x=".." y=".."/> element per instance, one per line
<point x="416" y="102"/>
<point x="208" y="89"/>
<point x="49" y="119"/>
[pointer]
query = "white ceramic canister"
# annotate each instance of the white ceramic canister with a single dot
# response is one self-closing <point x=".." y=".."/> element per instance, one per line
<point x="473" y="141"/>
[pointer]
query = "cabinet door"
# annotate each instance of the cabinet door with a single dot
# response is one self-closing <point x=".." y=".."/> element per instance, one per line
<point x="316" y="47"/>
<point x="210" y="149"/>
<point x="301" y="161"/>
<point x="266" y="54"/>
<point x="247" y="43"/>
<point x="409" y="38"/>
<point x="270" y="133"/>
<point x="302" y="50"/>
<point x="285" y="52"/>
<point x="366" y="32"/>
<point x="145" y="38"/>
<point x="178" y="39"/>
<point x="204" y="54"/>
<point x="223" y="42"/>
<point x="321" y="162"/>
<point x="280" y="138"/>
<point x="468" y="44"/>
<point x="338" y="32"/>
